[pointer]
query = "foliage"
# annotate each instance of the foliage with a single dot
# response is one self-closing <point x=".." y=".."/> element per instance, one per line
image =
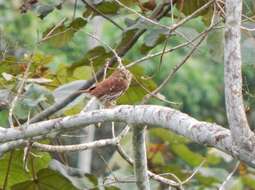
<point x="60" y="54"/>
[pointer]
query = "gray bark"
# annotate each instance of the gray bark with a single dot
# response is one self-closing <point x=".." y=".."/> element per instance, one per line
<point x="243" y="137"/>
<point x="205" y="133"/>
<point x="140" y="158"/>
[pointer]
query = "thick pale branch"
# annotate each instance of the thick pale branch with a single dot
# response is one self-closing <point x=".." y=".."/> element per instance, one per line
<point x="201" y="132"/>
<point x="240" y="131"/>
<point x="140" y="159"/>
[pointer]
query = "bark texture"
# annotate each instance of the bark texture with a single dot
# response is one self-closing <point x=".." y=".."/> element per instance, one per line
<point x="209" y="134"/>
<point x="243" y="137"/>
<point x="140" y="158"/>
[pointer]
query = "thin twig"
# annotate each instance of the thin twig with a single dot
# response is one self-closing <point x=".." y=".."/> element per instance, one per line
<point x="22" y="83"/>
<point x="8" y="170"/>
<point x="167" y="50"/>
<point x="113" y="130"/>
<point x="173" y="27"/>
<point x="80" y="147"/>
<point x="229" y="176"/>
<point x="174" y="70"/>
<point x="156" y="177"/>
<point x="154" y="95"/>
<point x="74" y="9"/>
<point x="109" y="47"/>
<point x="194" y="172"/>
<point x="102" y="14"/>
<point x="141" y="16"/>
<point x="178" y="66"/>
<point x="48" y="35"/>
<point x="75" y="147"/>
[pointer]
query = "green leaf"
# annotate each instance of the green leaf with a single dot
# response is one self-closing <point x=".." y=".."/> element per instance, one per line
<point x="152" y="39"/>
<point x="183" y="152"/>
<point x="30" y="100"/>
<point x="132" y="96"/>
<point x="207" y="17"/>
<point x="82" y="72"/>
<point x="17" y="172"/>
<point x="58" y="36"/>
<point x="167" y="136"/>
<point x="105" y="7"/>
<point x="249" y="7"/>
<point x="111" y="188"/>
<point x="235" y="184"/>
<point x="213" y="159"/>
<point x="205" y="180"/>
<point x="92" y="179"/>
<point x="249" y="180"/>
<point x="66" y="73"/>
<point x="136" y="92"/>
<point x="9" y="65"/>
<point x="76" y="176"/>
<point x="209" y="176"/>
<point x="129" y="2"/>
<point x="77" y="23"/>
<point x="126" y="37"/>
<point x="176" y="169"/>
<point x="43" y="10"/>
<point x="188" y="7"/>
<point x="95" y="57"/>
<point x="63" y="75"/>
<point x="47" y="180"/>
<point x="158" y="159"/>
<point x="4" y="115"/>
<point x="4" y="107"/>
<point x="12" y="69"/>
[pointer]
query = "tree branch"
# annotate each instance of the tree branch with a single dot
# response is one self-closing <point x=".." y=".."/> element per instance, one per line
<point x="240" y="131"/>
<point x="101" y="14"/>
<point x="154" y="176"/>
<point x="205" y="133"/>
<point x="140" y="158"/>
<point x="80" y="147"/>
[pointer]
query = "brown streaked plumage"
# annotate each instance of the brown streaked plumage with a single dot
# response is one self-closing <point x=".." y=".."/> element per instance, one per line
<point x="112" y="87"/>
